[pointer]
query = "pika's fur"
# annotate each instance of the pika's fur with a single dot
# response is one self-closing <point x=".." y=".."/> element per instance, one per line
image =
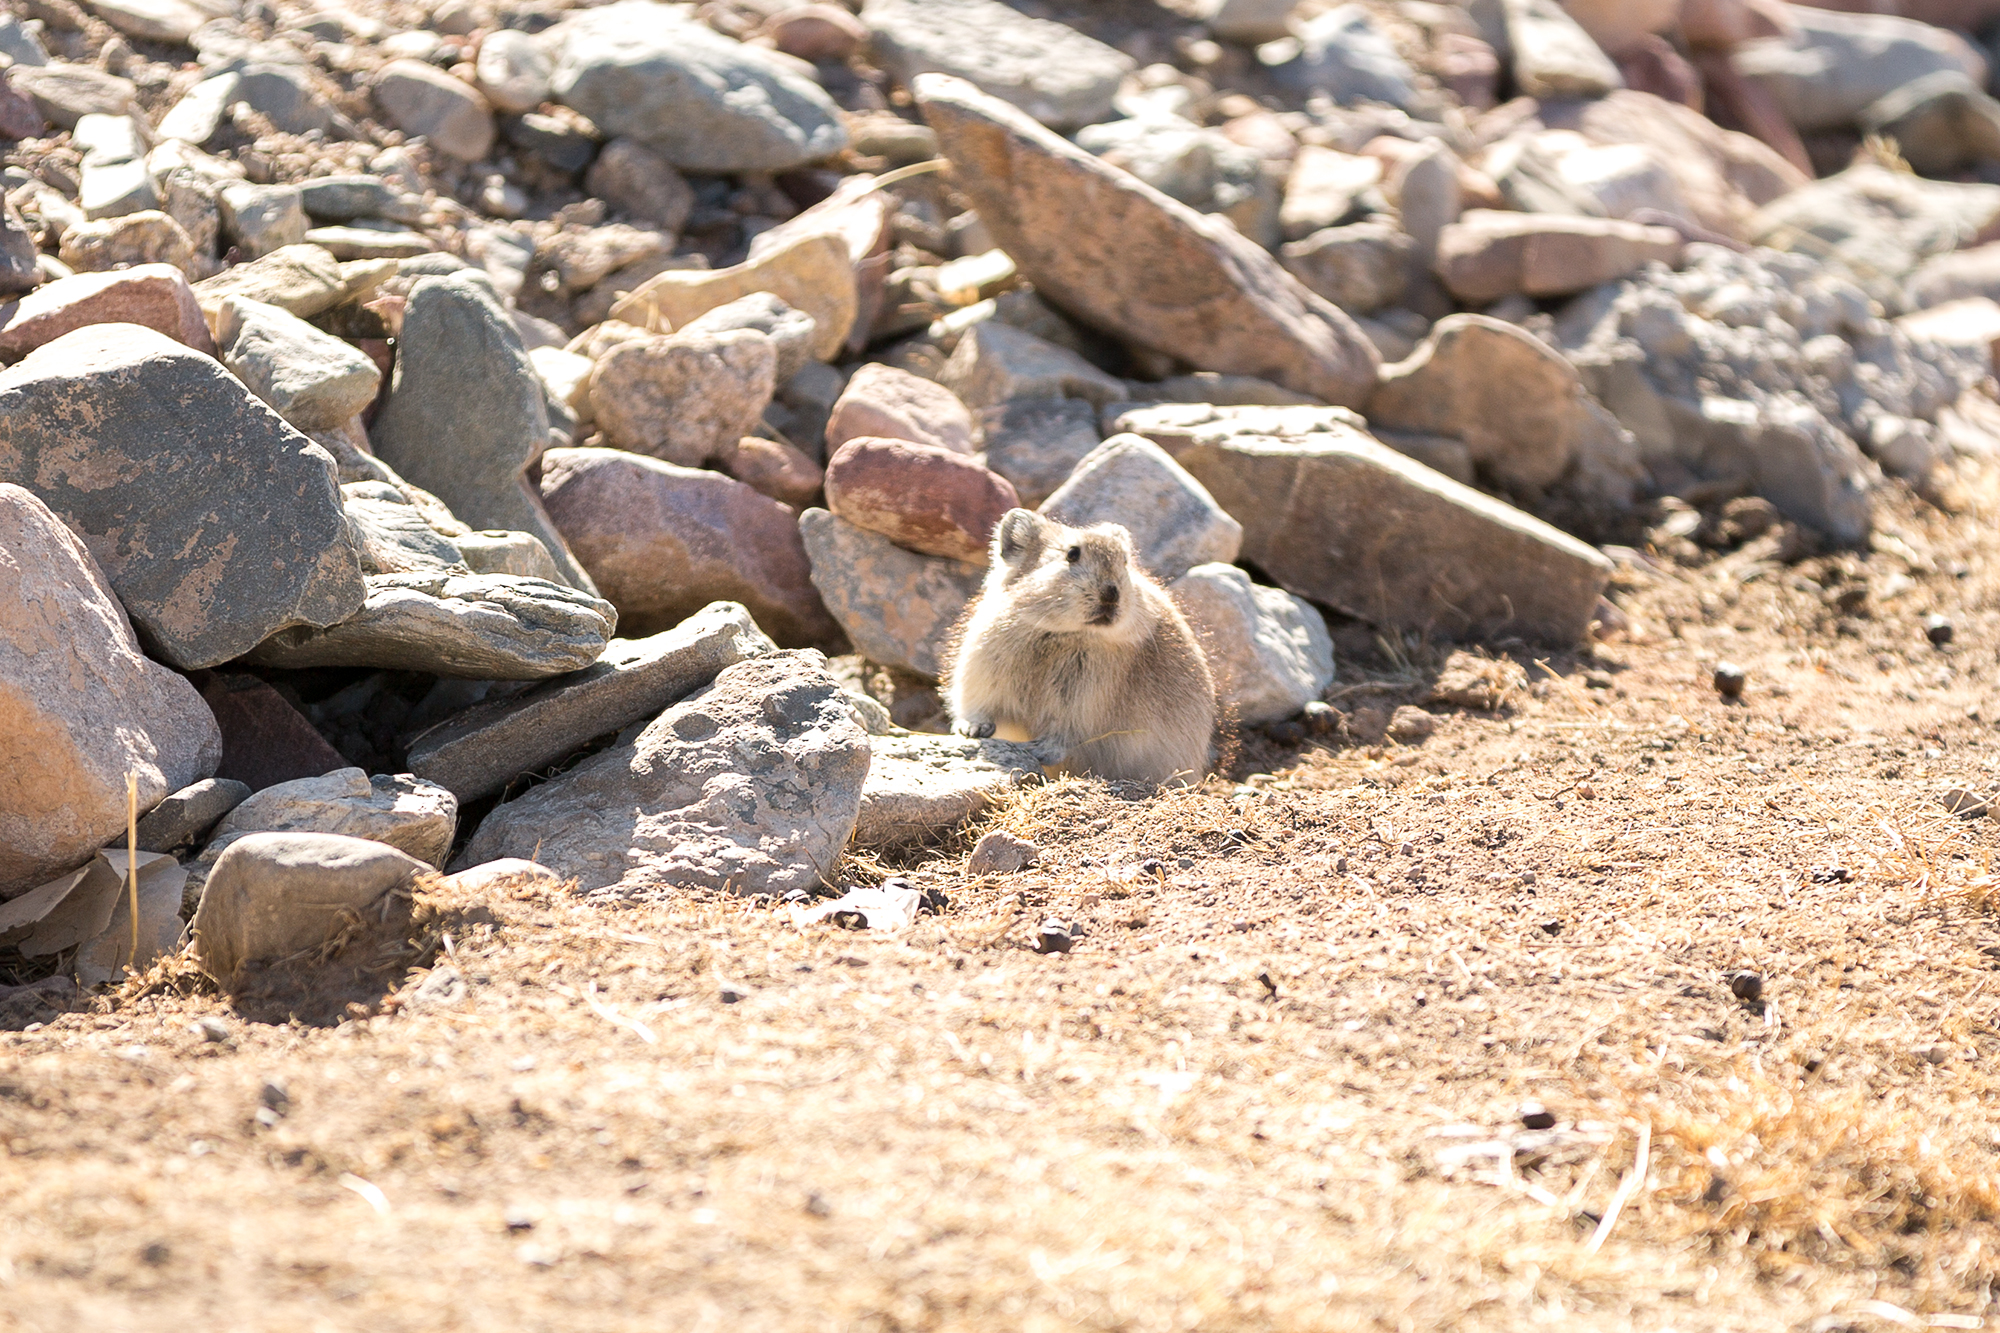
<point x="1072" y="645"/>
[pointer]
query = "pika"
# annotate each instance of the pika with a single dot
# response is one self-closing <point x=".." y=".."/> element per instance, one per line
<point x="1070" y="644"/>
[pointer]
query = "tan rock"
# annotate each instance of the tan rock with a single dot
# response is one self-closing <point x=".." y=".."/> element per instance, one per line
<point x="888" y="403"/>
<point x="146" y="237"/>
<point x="686" y="399"/>
<point x="1619" y="25"/>
<point x="1487" y="255"/>
<point x="814" y="274"/>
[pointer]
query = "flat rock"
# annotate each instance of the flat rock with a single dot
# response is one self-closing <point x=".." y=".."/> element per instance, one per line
<point x="185" y="817"/>
<point x="278" y="895"/>
<point x="1553" y="56"/>
<point x="686" y="398"/>
<point x="217" y="524"/>
<point x="1132" y="482"/>
<point x="310" y="378"/>
<point x="1128" y="259"/>
<point x="1359" y="268"/>
<point x="80" y="705"/>
<point x="156" y="296"/>
<point x="465" y="414"/>
<point x="923" y="497"/>
<point x="1269" y="651"/>
<point x="888" y="403"/>
<point x="1344" y="521"/>
<point x="415" y="817"/>
<point x="751" y="785"/>
<point x="473" y="626"/>
<point x="813" y="273"/>
<point x="897" y="607"/>
<point x="920" y="786"/>
<point x="305" y="280"/>
<point x="420" y="99"/>
<point x="665" y="541"/>
<point x="396" y="537"/>
<point x="995" y="364"/>
<point x="1049" y="70"/>
<point x="483" y="749"/>
<point x="65" y="93"/>
<point x="700" y="100"/>
<point x="1486" y="254"/>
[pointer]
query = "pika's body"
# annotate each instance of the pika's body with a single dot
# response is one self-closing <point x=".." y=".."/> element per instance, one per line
<point x="1072" y="645"/>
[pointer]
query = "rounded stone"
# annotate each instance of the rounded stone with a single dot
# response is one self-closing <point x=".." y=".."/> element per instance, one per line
<point x="922" y="497"/>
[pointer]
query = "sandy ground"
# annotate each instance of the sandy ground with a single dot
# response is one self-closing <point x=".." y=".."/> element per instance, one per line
<point x="1277" y="1083"/>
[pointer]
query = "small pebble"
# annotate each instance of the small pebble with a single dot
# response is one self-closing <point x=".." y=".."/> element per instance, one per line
<point x="797" y="898"/>
<point x="1938" y="630"/>
<point x="518" y="1218"/>
<point x="1054" y="937"/>
<point x="1552" y="927"/>
<point x="1320" y="719"/>
<point x="1729" y="679"/>
<point x="1746" y="986"/>
<point x="732" y="993"/>
<point x="1534" y="1115"/>
<point x="211" y="1028"/>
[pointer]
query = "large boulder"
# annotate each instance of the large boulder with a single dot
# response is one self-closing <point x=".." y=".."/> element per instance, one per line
<point x="217" y="524"/>
<point x="752" y="785"/>
<point x="80" y="706"/>
<point x="1125" y="257"/>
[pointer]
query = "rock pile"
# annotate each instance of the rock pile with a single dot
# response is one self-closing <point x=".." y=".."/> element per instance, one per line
<point x="460" y="432"/>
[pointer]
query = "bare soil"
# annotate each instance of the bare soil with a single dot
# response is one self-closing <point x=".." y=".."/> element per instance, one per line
<point x="1277" y="1083"/>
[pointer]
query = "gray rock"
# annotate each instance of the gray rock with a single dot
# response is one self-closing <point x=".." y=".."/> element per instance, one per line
<point x="1344" y="521"/>
<point x="216" y="522"/>
<point x="497" y="552"/>
<point x="483" y="749"/>
<point x="1202" y="168"/>
<point x="897" y="607"/>
<point x="348" y="198"/>
<point x="1269" y="651"/>
<point x="113" y="189"/>
<point x="278" y="895"/>
<point x="641" y="184"/>
<point x="1036" y="443"/>
<point x="66" y="93"/>
<point x="665" y="541"/>
<point x="1832" y="66"/>
<point x="395" y="536"/>
<point x="421" y="99"/>
<point x="1341" y="55"/>
<point x="185" y="817"/>
<point x="1049" y="70"/>
<point x="1553" y="56"/>
<point x="792" y="331"/>
<point x="700" y="100"/>
<point x="1792" y="456"/>
<point x="687" y="397"/>
<point x="995" y="363"/>
<point x="416" y="817"/>
<point x="1359" y="268"/>
<point x="1132" y="482"/>
<point x="475" y="626"/>
<point x="1124" y="257"/>
<point x="80" y="706"/>
<point x="19" y="43"/>
<point x="513" y="70"/>
<point x="312" y="379"/>
<point x="20" y="270"/>
<point x="466" y="416"/>
<point x="1941" y="124"/>
<point x="1877" y="225"/>
<point x="1956" y="276"/>
<point x="286" y="96"/>
<point x="263" y="218"/>
<point x="751" y="785"/>
<point x="920" y="786"/>
<point x="126" y="242"/>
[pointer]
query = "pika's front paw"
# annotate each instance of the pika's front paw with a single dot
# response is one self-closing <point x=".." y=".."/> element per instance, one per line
<point x="972" y="727"/>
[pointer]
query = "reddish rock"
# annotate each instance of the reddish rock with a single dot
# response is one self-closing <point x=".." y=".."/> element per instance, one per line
<point x="265" y="740"/>
<point x="663" y="541"/>
<point x="18" y="117"/>
<point x="816" y="32"/>
<point x="776" y="469"/>
<point x="1742" y="104"/>
<point x="921" y="497"/>
<point x="887" y="403"/>
<point x="154" y="295"/>
<point x="1652" y="65"/>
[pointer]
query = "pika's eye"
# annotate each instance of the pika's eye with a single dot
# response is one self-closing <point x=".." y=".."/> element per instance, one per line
<point x="1074" y="554"/>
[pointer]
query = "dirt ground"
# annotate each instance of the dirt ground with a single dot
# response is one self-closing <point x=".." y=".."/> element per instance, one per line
<point x="1278" y="1083"/>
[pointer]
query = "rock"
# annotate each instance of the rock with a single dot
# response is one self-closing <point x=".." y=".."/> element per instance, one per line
<point x="1268" y="650"/>
<point x="284" y="93"/>
<point x="1618" y="26"/>
<point x="1048" y="70"/>
<point x="217" y="523"/>
<point x="395" y="536"/>
<point x="1410" y="725"/>
<point x="472" y="626"/>
<point x="1341" y="55"/>
<point x="21" y="43"/>
<point x="1036" y="443"/>
<point x="157" y="881"/>
<point x="1878" y="225"/>
<point x="352" y="198"/>
<point x="751" y="785"/>
<point x="924" y="498"/>
<point x="127" y="241"/>
<point x="1517" y="404"/>
<point x="80" y="705"/>
<point x="1972" y="323"/>
<point x="816" y="32"/>
<point x="185" y="817"/>
<point x="1203" y="293"/>
<point x="156" y="296"/>
<point x="465" y="415"/>
<point x="919" y="786"/>
<point x="311" y="379"/>
<point x="1250" y="22"/>
<point x="279" y="895"/>
<point x="1941" y="124"/>
<point x="20" y="267"/>
<point x="886" y="403"/>
<point x="687" y="397"/>
<point x="1553" y="56"/>
<point x="1359" y="268"/>
<point x="1333" y="517"/>
<point x="776" y="469"/>
<point x="581" y="257"/>
<point x="814" y="274"/>
<point x="1469" y="680"/>
<point x="420" y="99"/>
<point x="19" y="116"/>
<point x="1832" y="67"/>
<point x="265" y="740"/>
<point x="1202" y="168"/>
<point x="368" y="242"/>
<point x="1792" y="456"/>
<point x="263" y="218"/>
<point x="1175" y="523"/>
<point x="482" y="750"/>
<point x="999" y="852"/>
<point x="66" y="93"/>
<point x="415" y="817"/>
<point x="638" y="182"/>
<point x="1956" y="276"/>
<point x="995" y="364"/>
<point x="198" y="117"/>
<point x="792" y="332"/>
<point x="513" y="70"/>
<point x="1486" y="255"/>
<point x="702" y="101"/>
<point x="897" y="607"/>
<point x="665" y="541"/>
<point x="1325" y="189"/>
<point x="302" y="279"/>
<point x="510" y="874"/>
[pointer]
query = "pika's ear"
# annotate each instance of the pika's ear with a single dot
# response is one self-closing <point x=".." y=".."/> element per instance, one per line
<point x="1019" y="536"/>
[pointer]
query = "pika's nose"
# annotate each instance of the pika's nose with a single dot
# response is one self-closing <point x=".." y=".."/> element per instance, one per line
<point x="1110" y="594"/>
